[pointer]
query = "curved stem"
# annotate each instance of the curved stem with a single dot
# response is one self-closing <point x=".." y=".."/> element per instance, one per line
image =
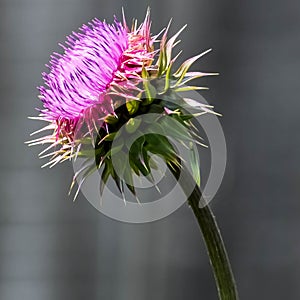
<point x="216" y="249"/>
<point x="214" y="243"/>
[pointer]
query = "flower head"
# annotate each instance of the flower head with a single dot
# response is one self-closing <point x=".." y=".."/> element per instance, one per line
<point x="100" y="64"/>
<point x="98" y="56"/>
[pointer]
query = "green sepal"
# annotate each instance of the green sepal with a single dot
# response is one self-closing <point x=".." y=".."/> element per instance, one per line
<point x="190" y="88"/>
<point x="128" y="178"/>
<point x="118" y="146"/>
<point x="156" y="109"/>
<point x="175" y="129"/>
<point x="135" y="157"/>
<point x="168" y="77"/>
<point x="111" y="119"/>
<point x="160" y="145"/>
<point x="149" y="89"/>
<point x="132" y="125"/>
<point x="183" y="69"/>
<point x="132" y="106"/>
<point x="105" y="175"/>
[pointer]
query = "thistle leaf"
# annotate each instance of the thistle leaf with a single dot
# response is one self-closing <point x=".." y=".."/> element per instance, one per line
<point x="150" y="92"/>
<point x="192" y="76"/>
<point x="162" y="59"/>
<point x="167" y="77"/>
<point x="190" y="88"/>
<point x="135" y="157"/>
<point x="182" y="70"/>
<point x="175" y="130"/>
<point x="171" y="44"/>
<point x="104" y="176"/>
<point x="160" y="145"/>
<point x="129" y="180"/>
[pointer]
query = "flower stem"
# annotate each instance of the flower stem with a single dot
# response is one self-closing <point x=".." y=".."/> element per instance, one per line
<point x="214" y="243"/>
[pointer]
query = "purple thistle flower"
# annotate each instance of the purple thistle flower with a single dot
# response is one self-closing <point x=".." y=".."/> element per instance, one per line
<point x="78" y="77"/>
<point x="101" y="69"/>
<point x="83" y="87"/>
<point x="99" y="56"/>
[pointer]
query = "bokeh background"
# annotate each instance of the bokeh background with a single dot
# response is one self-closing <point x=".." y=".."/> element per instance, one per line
<point x="52" y="248"/>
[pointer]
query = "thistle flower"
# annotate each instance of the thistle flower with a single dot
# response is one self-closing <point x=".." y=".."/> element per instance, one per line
<point x="96" y="59"/>
<point x="108" y="76"/>
<point x="101" y="63"/>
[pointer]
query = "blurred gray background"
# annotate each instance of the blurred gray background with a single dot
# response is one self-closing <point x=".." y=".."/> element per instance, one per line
<point x="52" y="248"/>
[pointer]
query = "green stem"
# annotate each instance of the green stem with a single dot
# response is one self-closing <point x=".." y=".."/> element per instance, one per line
<point x="214" y="243"/>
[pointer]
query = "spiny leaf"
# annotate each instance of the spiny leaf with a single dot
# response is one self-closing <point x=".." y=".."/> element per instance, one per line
<point x="104" y="176"/>
<point x="192" y="76"/>
<point x="135" y="155"/>
<point x="153" y="164"/>
<point x="175" y="129"/>
<point x="149" y="89"/>
<point x="108" y="138"/>
<point x="145" y="74"/>
<point x="162" y="59"/>
<point x="159" y="144"/>
<point x="182" y="70"/>
<point x="119" y="183"/>
<point x="119" y="163"/>
<point x="166" y="48"/>
<point x="167" y="78"/>
<point x="190" y="88"/>
<point x="128" y="178"/>
<point x="171" y="44"/>
<point x="86" y="164"/>
<point x="88" y="171"/>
